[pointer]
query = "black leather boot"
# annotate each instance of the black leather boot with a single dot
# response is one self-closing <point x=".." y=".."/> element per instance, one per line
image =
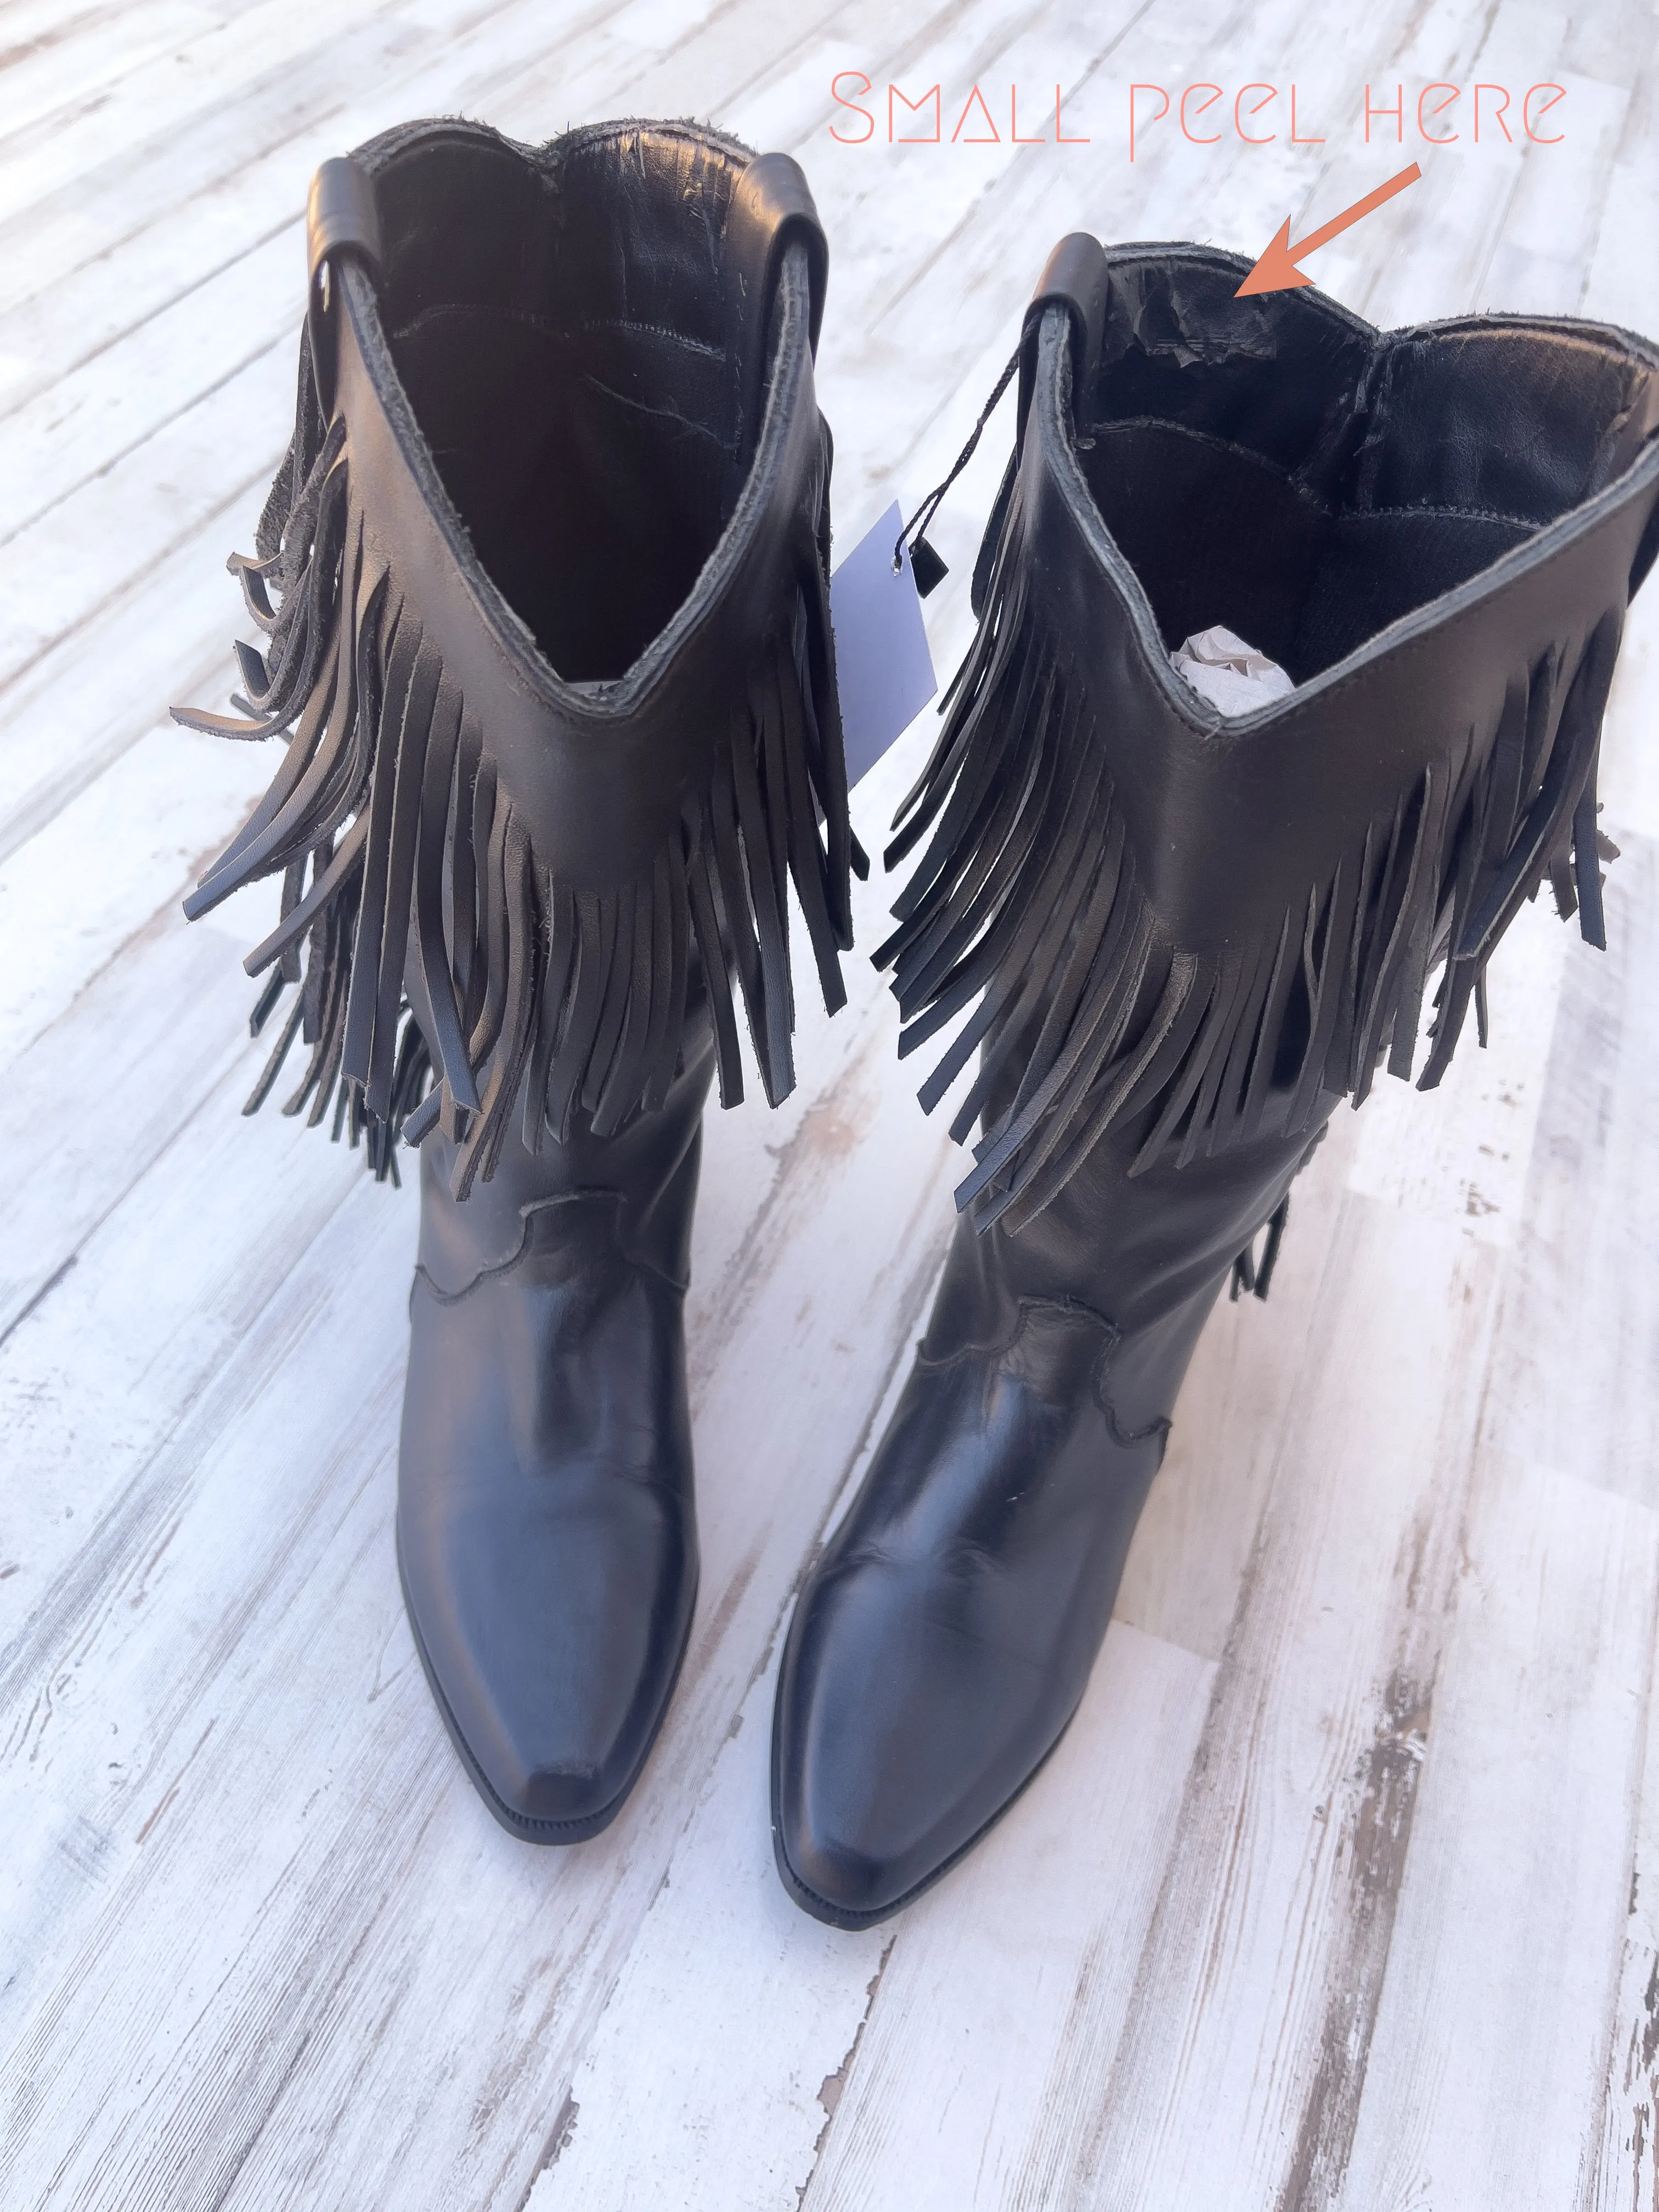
<point x="547" y="1533"/>
<point x="1184" y="936"/>
<point x="545" y="580"/>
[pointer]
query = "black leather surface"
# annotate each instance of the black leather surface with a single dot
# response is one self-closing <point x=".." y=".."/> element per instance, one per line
<point x="544" y="580"/>
<point x="1187" y="936"/>
<point x="1125" y="895"/>
<point x="596" y="513"/>
<point x="944" y="1637"/>
<point x="1494" y="437"/>
<point x="947" y="1633"/>
<point x="560" y="451"/>
<point x="546" y="1527"/>
<point x="542" y="416"/>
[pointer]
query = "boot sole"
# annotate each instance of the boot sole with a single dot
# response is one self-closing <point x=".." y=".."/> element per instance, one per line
<point x="527" y="1829"/>
<point x="836" y="1915"/>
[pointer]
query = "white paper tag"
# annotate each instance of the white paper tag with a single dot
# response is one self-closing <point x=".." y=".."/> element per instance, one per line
<point x="883" y="667"/>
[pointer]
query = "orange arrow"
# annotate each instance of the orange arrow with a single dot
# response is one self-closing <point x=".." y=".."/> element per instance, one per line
<point x="1277" y="272"/>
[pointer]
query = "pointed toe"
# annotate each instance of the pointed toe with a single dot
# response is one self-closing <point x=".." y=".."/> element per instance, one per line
<point x="832" y="1881"/>
<point x="898" y="1740"/>
<point x="551" y="1636"/>
<point x="942" y="1643"/>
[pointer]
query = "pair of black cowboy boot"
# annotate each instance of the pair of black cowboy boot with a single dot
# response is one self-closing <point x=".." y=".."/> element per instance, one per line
<point x="545" y="574"/>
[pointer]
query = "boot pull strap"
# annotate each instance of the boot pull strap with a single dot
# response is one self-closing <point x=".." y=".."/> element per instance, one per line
<point x="771" y="210"/>
<point x="341" y="217"/>
<point x="1078" y="279"/>
<point x="1075" y="279"/>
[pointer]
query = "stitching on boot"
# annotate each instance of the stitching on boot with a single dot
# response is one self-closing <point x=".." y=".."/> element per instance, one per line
<point x="1029" y="1309"/>
<point x="1129" y="1437"/>
<point x="1125" y="1438"/>
<point x="1065" y="1309"/>
<point x="501" y="1267"/>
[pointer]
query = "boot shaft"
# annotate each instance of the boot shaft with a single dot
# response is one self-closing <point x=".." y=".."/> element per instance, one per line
<point x="1205" y="928"/>
<point x="545" y="577"/>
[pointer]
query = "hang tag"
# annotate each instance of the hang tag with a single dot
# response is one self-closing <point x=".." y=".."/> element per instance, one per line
<point x="883" y="667"/>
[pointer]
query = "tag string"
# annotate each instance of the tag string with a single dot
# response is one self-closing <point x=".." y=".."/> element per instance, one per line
<point x="919" y="523"/>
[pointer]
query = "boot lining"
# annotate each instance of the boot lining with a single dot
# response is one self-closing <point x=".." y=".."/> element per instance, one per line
<point x="1275" y="465"/>
<point x="559" y="330"/>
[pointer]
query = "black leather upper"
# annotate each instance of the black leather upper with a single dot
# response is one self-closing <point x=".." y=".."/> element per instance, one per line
<point x="546" y="1524"/>
<point x="1438" y="532"/>
<point x="943" y="1640"/>
<point x="586" y="457"/>
<point x="1177" y="939"/>
<point x="1443" y="504"/>
<point x="948" y="1631"/>
<point x="545" y="581"/>
<point x="544" y="414"/>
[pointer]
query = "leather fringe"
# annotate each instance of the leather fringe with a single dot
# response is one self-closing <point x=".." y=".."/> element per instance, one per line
<point x="1252" y="1278"/>
<point x="1029" y="902"/>
<point x="396" y="841"/>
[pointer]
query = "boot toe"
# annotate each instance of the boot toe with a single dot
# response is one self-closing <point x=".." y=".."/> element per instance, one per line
<point x="899" y="1739"/>
<point x="551" y="1633"/>
<point x="833" y="1879"/>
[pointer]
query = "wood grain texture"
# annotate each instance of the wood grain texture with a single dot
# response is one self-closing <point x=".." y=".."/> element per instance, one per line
<point x="1478" y="2083"/>
<point x="999" y="2008"/>
<point x="1343" y="1890"/>
<point x="1242" y="2074"/>
<point x="1623" y="2164"/>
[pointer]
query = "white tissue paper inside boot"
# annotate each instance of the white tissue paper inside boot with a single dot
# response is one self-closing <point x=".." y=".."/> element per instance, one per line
<point x="1229" y="674"/>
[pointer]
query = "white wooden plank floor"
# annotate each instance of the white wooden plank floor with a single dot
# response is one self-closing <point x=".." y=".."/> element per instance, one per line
<point x="1344" y="1890"/>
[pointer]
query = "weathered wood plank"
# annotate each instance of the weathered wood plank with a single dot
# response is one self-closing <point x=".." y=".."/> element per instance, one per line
<point x="262" y="1945"/>
<point x="87" y="699"/>
<point x="1425" y="255"/>
<point x="84" y="421"/>
<point x="73" y="896"/>
<point x="105" y="1088"/>
<point x="1542" y="259"/>
<point x="1268" y="1949"/>
<point x="1578" y="1353"/>
<point x="72" y="563"/>
<point x="1465" y="1154"/>
<point x="1004" y="1996"/>
<point x="41" y="73"/>
<point x="1241" y="2074"/>
<point x="163" y="224"/>
<point x="1623" y="2167"/>
<point x="1490" y="2038"/>
<point x="162" y="94"/>
<point x="1193" y="1547"/>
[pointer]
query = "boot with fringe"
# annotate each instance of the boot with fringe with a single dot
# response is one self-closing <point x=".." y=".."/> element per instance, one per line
<point x="544" y="582"/>
<point x="1176" y="938"/>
